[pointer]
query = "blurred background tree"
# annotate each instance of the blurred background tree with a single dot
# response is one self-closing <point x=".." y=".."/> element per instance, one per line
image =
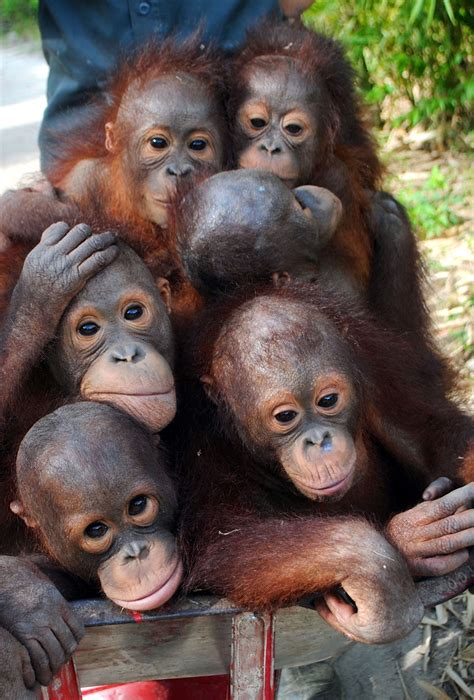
<point x="19" y="16"/>
<point x="413" y="58"/>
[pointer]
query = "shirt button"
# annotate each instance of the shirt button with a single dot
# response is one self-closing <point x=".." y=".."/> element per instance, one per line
<point x="144" y="8"/>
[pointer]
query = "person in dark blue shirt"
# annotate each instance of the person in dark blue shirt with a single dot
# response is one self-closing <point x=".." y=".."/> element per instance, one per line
<point x="82" y="40"/>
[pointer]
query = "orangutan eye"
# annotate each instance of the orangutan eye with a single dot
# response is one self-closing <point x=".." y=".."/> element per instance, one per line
<point x="88" y="328"/>
<point x="137" y="505"/>
<point x="328" y="401"/>
<point x="285" y="416"/>
<point x="158" y="142"/>
<point x="133" y="312"/>
<point x="294" y="129"/>
<point x="96" y="530"/>
<point x="258" y="123"/>
<point x="143" y="510"/>
<point x="198" y="145"/>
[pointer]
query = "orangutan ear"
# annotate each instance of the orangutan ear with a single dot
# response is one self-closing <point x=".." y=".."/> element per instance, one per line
<point x="18" y="508"/>
<point x="110" y="140"/>
<point x="209" y="387"/>
<point x="164" y="289"/>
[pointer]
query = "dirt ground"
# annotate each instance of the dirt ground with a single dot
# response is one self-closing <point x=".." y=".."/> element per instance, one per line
<point x="435" y="661"/>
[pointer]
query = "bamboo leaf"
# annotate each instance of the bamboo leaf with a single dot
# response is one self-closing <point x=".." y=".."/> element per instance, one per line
<point x="449" y="9"/>
<point x="467" y="654"/>
<point x="417" y="7"/>
<point x="431" y="11"/>
<point x="432" y="690"/>
<point x="459" y="681"/>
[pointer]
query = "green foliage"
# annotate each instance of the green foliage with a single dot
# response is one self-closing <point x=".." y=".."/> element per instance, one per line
<point x="430" y="206"/>
<point x="18" y="15"/>
<point x="415" y="52"/>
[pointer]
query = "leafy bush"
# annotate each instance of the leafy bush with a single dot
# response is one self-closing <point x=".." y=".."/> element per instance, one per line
<point x="18" y="14"/>
<point x="414" y="52"/>
<point x="430" y="206"/>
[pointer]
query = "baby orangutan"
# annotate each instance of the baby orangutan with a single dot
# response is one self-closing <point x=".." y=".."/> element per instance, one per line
<point x="100" y="474"/>
<point x="94" y="487"/>
<point x="159" y="121"/>
<point x="109" y="325"/>
<point x="247" y="226"/>
<point x="284" y="474"/>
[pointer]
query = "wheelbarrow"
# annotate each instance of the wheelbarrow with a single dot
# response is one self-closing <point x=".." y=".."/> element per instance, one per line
<point x="225" y="651"/>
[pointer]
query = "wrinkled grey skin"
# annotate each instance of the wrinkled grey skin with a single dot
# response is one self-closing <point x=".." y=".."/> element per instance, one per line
<point x="35" y="613"/>
<point x="16" y="672"/>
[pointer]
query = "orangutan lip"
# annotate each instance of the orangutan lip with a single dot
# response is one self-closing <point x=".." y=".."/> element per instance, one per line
<point x="158" y="588"/>
<point x="121" y="393"/>
<point x="159" y="596"/>
<point x="326" y="489"/>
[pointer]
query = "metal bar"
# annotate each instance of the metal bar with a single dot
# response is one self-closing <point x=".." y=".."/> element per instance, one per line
<point x="64" y="685"/>
<point x="252" y="656"/>
<point x="96" y="612"/>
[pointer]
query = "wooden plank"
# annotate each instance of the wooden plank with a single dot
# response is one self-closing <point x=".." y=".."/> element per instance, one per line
<point x="195" y="641"/>
<point x="302" y="637"/>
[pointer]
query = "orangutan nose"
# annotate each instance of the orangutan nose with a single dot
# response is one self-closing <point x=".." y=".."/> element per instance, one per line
<point x="318" y="438"/>
<point x="326" y="443"/>
<point x="136" y="550"/>
<point x="127" y="353"/>
<point x="176" y="170"/>
<point x="270" y="147"/>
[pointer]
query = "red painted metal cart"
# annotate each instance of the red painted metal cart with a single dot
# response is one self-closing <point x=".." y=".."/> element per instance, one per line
<point x="227" y="653"/>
